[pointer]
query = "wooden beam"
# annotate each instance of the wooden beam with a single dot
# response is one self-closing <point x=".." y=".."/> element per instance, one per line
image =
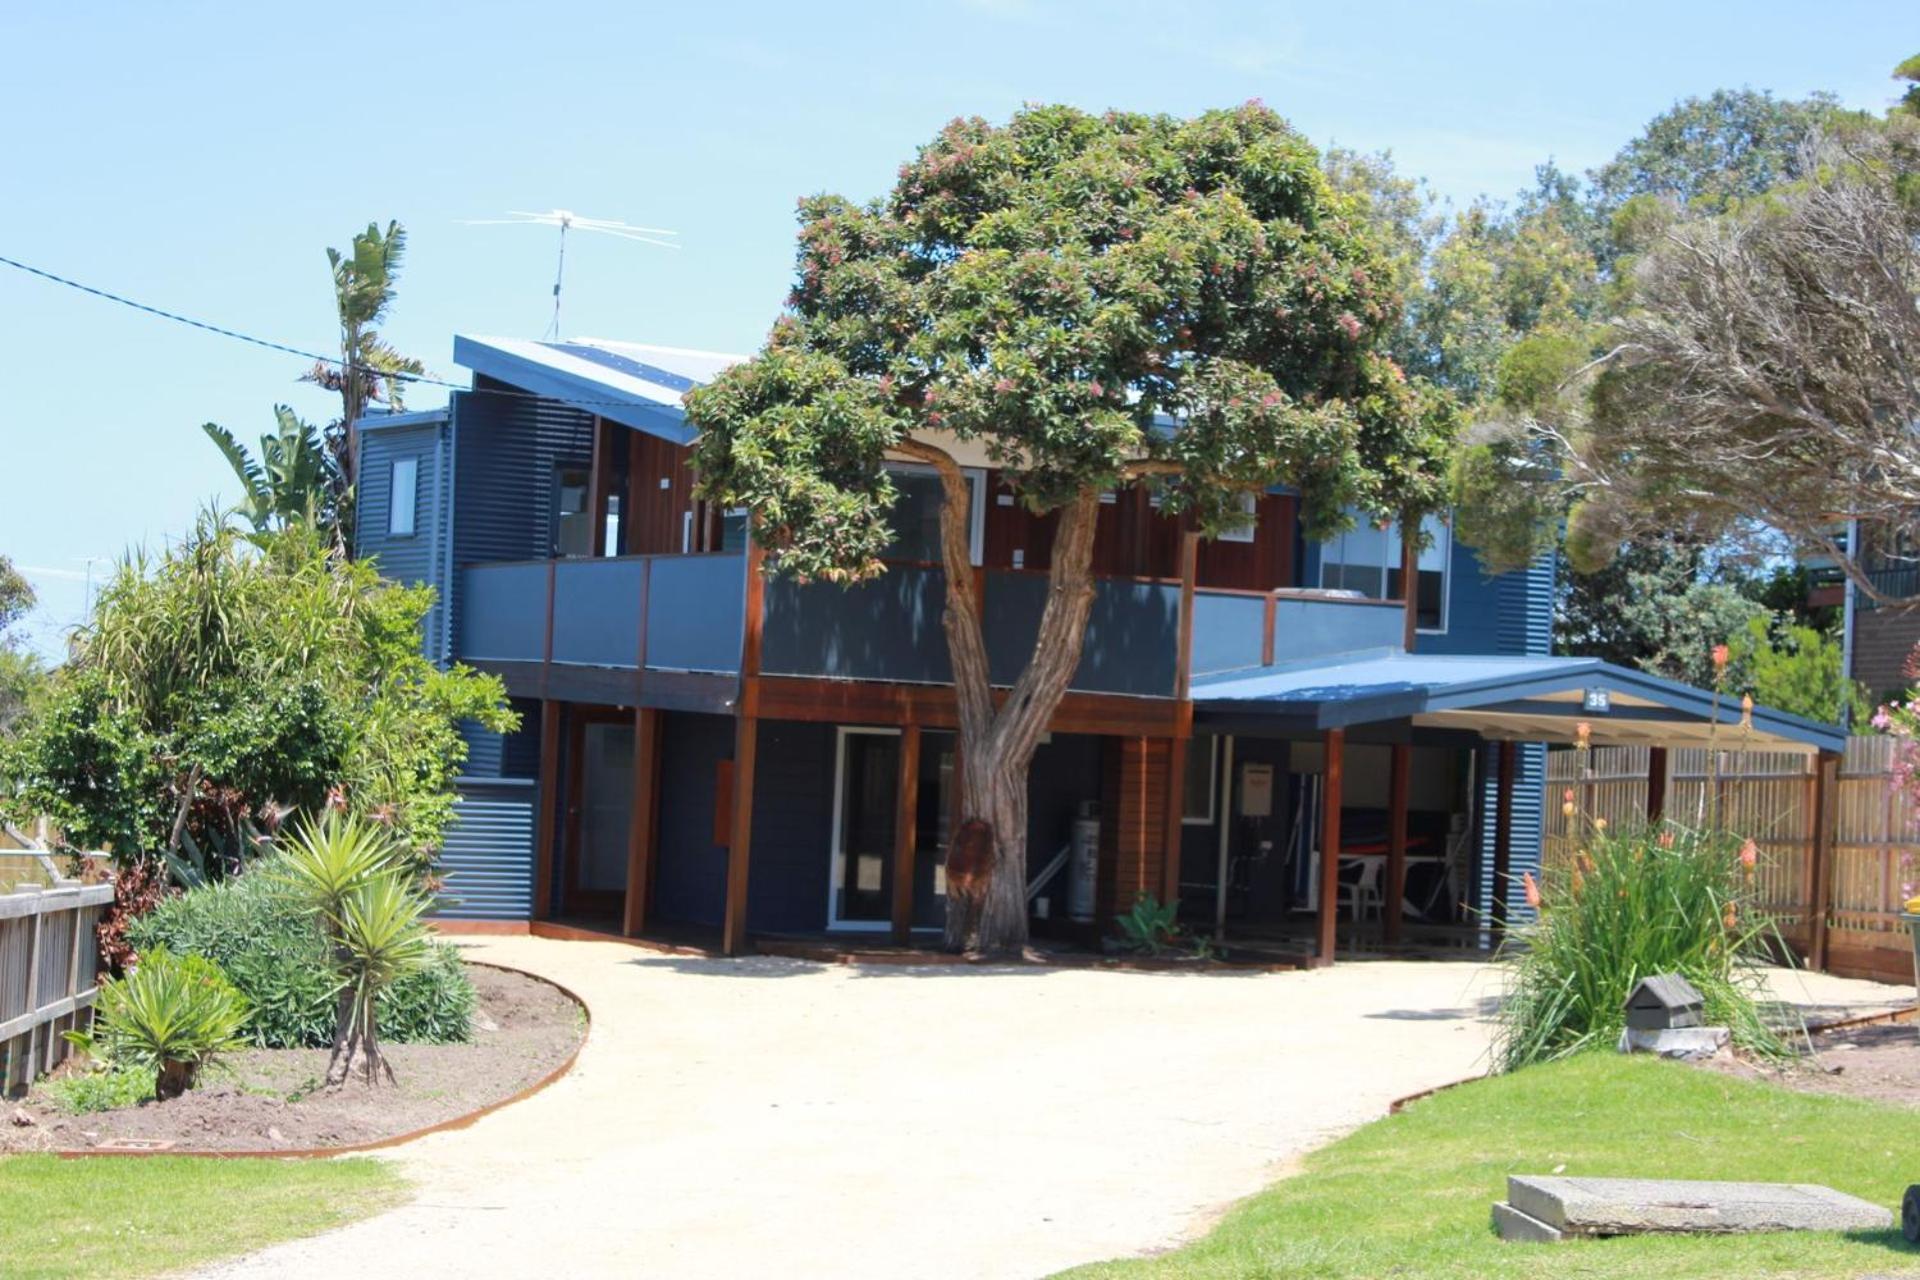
<point x="599" y="478"/>
<point x="1508" y="754"/>
<point x="1826" y="771"/>
<point x="643" y="831"/>
<point x="1175" y="825"/>
<point x="1189" y="576"/>
<point x="815" y="698"/>
<point x="1409" y="585"/>
<point x="733" y="934"/>
<point x="1333" y="775"/>
<point x="1399" y="785"/>
<point x="548" y="800"/>
<point x="906" y="833"/>
<point x="746" y="738"/>
<point x="1656" y="785"/>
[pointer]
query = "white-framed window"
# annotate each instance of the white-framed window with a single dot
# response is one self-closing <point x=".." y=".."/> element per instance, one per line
<point x="1366" y="560"/>
<point x="1249" y="504"/>
<point x="916" y="512"/>
<point x="403" y="497"/>
<point x="1199" y="792"/>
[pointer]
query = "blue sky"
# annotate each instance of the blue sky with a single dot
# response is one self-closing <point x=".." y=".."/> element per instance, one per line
<point x="200" y="156"/>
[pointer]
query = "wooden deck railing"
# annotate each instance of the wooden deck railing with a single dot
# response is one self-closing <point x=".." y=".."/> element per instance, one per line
<point x="48" y="966"/>
<point x="1768" y="796"/>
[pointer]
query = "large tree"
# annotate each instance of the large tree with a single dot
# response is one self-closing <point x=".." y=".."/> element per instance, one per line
<point x="1094" y="302"/>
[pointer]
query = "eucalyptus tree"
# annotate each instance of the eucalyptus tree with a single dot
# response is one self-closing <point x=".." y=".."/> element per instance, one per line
<point x="1094" y="301"/>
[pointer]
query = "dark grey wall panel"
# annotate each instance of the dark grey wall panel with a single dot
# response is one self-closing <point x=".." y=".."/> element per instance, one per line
<point x="1132" y="643"/>
<point x="1229" y="631"/>
<point x="1308" y="628"/>
<point x="503" y="613"/>
<point x="596" y="611"/>
<point x="792" y="827"/>
<point x="690" y="878"/>
<point x="885" y="629"/>
<point x="696" y="610"/>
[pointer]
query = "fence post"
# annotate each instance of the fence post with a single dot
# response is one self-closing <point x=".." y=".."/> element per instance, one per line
<point x="33" y="991"/>
<point x="1820" y="885"/>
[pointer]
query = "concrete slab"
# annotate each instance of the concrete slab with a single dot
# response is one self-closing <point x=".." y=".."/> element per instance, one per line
<point x="1523" y="1228"/>
<point x="1634" y="1206"/>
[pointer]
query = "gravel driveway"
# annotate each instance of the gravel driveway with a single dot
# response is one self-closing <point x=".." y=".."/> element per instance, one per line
<point x="768" y="1117"/>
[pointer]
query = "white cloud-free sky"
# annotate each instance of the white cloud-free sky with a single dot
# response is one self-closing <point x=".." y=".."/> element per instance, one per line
<point x="199" y="156"/>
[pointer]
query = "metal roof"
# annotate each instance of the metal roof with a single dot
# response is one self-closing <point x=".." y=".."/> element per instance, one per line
<point x="632" y="383"/>
<point x="1530" y="699"/>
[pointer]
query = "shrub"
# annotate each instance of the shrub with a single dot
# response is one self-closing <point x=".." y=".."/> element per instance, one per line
<point x="102" y="1089"/>
<point x="1151" y="927"/>
<point x="267" y="941"/>
<point x="1633" y="904"/>
<point x="166" y="1019"/>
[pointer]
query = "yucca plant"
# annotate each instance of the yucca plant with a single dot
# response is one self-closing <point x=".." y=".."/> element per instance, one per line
<point x="1631" y="904"/>
<point x="381" y="938"/>
<point x="356" y="880"/>
<point x="170" y="1016"/>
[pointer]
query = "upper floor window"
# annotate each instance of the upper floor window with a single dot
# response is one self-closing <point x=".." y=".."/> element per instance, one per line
<point x="1366" y="560"/>
<point x="1250" y="505"/>
<point x="916" y="513"/>
<point x="572" y="521"/>
<point x="403" y="496"/>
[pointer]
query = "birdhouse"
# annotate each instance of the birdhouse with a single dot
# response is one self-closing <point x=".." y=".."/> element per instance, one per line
<point x="1662" y="1002"/>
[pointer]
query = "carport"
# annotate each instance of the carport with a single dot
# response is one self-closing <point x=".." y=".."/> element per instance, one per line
<point x="1403" y="700"/>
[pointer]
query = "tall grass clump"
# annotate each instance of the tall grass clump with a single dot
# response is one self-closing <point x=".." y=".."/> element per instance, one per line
<point x="1632" y="903"/>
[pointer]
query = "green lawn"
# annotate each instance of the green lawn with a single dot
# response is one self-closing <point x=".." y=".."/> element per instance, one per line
<point x="146" y="1216"/>
<point x="1408" y="1196"/>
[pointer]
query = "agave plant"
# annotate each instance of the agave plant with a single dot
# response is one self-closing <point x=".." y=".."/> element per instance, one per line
<point x="170" y="1016"/>
<point x="355" y="878"/>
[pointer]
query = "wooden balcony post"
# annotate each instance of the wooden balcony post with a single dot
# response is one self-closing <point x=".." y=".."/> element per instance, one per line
<point x="643" y="831"/>
<point x="746" y="739"/>
<point x="1399" y="785"/>
<point x="1656" y="785"/>
<point x="1508" y="760"/>
<point x="1332" y="776"/>
<point x="547" y="800"/>
<point x="906" y="833"/>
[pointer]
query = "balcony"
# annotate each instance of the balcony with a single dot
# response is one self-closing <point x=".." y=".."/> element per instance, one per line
<point x="588" y="628"/>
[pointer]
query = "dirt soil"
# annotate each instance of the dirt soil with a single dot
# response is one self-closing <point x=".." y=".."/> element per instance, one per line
<point x="1880" y="1061"/>
<point x="271" y="1099"/>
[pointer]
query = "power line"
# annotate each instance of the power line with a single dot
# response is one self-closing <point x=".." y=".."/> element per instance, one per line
<point x="418" y="379"/>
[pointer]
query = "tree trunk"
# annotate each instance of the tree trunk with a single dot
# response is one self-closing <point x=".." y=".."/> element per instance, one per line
<point x="356" y="1044"/>
<point x="987" y="910"/>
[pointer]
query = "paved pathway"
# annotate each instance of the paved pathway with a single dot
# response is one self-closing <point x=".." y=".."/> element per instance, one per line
<point x="767" y="1117"/>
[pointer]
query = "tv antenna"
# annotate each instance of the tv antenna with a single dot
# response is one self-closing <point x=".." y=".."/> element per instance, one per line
<point x="566" y="219"/>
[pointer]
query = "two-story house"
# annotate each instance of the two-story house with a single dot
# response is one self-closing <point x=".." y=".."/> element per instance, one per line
<point x="1290" y="738"/>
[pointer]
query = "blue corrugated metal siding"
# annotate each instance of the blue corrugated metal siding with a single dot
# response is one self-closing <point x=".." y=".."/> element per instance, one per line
<point x="505" y="449"/>
<point x="1522" y="617"/>
<point x="487" y="858"/>
<point x="421" y="556"/>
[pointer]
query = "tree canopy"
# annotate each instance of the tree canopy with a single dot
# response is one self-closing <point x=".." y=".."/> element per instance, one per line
<point x="1089" y="301"/>
<point x="1056" y="289"/>
<point x="223" y="684"/>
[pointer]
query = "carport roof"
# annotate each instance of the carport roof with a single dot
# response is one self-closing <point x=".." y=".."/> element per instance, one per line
<point x="1528" y="699"/>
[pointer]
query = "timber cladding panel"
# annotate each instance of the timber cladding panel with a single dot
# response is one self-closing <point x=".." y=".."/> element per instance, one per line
<point x="1133" y="822"/>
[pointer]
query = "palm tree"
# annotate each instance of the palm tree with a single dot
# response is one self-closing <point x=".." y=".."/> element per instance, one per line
<point x="370" y="370"/>
<point x="293" y="480"/>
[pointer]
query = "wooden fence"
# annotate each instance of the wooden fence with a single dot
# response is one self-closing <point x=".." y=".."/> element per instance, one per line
<point x="1771" y="797"/>
<point x="49" y="962"/>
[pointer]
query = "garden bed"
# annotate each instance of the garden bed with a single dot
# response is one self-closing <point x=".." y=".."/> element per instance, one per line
<point x="1879" y="1061"/>
<point x="271" y="1099"/>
